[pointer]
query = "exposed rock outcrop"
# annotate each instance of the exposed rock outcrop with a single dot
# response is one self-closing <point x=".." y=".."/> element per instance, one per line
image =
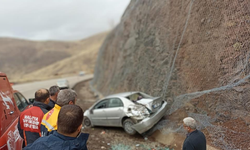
<point x="193" y="53"/>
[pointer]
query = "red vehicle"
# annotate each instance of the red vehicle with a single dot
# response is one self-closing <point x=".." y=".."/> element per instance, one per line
<point x="9" y="113"/>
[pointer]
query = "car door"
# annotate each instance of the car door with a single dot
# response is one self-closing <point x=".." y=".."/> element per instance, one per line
<point x="114" y="112"/>
<point x="98" y="114"/>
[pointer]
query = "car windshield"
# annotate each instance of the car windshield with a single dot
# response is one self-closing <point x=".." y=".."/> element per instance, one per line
<point x="137" y="96"/>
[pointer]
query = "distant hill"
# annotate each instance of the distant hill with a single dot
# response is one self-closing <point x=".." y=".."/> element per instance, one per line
<point x="24" y="60"/>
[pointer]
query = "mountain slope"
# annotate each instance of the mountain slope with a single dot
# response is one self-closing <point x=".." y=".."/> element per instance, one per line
<point x="194" y="54"/>
<point x="18" y="58"/>
<point x="83" y="61"/>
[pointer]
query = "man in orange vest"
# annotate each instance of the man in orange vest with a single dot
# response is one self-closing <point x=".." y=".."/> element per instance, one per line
<point x="49" y="121"/>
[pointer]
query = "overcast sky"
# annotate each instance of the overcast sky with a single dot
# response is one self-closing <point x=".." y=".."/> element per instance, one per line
<point x="58" y="19"/>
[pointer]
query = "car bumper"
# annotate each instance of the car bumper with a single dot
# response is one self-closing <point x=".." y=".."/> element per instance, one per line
<point x="149" y="122"/>
<point x="63" y="87"/>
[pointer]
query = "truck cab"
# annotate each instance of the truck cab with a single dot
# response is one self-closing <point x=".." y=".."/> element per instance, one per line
<point x="9" y="114"/>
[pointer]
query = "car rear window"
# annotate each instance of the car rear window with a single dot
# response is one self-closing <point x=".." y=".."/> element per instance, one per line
<point x="137" y="96"/>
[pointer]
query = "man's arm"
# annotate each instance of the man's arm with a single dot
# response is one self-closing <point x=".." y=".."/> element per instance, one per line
<point x="20" y="130"/>
<point x="38" y="146"/>
<point x="44" y="131"/>
<point x="188" y="146"/>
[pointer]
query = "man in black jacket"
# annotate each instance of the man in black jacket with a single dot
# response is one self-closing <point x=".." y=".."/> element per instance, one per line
<point x="53" y="91"/>
<point x="195" y="139"/>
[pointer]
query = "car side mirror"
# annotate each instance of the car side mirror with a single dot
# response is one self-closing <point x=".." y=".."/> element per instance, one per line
<point x="31" y="100"/>
<point x="91" y="111"/>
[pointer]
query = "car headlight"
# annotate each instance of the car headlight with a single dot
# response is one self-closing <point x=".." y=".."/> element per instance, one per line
<point x="156" y="104"/>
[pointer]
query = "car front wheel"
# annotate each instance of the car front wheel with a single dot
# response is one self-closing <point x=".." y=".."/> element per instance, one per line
<point x="87" y="122"/>
<point x="127" y="125"/>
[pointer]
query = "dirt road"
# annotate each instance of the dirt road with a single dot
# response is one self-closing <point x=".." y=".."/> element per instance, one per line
<point x="111" y="138"/>
<point x="28" y="89"/>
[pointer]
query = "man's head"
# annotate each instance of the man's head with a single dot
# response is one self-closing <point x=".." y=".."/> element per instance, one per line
<point x="189" y="124"/>
<point x="66" y="96"/>
<point x="70" y="120"/>
<point x="42" y="95"/>
<point x="53" y="91"/>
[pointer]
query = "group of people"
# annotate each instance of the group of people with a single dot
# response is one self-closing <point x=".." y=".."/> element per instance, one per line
<point x="53" y="122"/>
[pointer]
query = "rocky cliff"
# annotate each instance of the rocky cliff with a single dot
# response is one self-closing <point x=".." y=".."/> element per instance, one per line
<point x="193" y="53"/>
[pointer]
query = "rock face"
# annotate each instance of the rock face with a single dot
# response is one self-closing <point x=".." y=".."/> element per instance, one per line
<point x="193" y="53"/>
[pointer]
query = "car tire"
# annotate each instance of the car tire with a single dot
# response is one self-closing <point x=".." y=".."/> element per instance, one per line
<point x="127" y="125"/>
<point x="87" y="122"/>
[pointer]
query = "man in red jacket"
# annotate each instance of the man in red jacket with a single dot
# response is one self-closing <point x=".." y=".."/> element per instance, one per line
<point x="30" y="120"/>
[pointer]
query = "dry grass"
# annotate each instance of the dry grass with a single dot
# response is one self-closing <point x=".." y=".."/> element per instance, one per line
<point x="77" y="56"/>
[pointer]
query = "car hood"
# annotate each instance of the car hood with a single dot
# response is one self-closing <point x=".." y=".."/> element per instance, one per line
<point x="145" y="101"/>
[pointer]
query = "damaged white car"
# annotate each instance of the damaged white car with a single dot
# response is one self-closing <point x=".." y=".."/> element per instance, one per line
<point x="134" y="111"/>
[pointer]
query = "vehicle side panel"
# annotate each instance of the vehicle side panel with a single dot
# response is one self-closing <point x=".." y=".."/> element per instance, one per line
<point x="99" y="117"/>
<point x="9" y="113"/>
<point x="11" y="138"/>
<point x="114" y="116"/>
